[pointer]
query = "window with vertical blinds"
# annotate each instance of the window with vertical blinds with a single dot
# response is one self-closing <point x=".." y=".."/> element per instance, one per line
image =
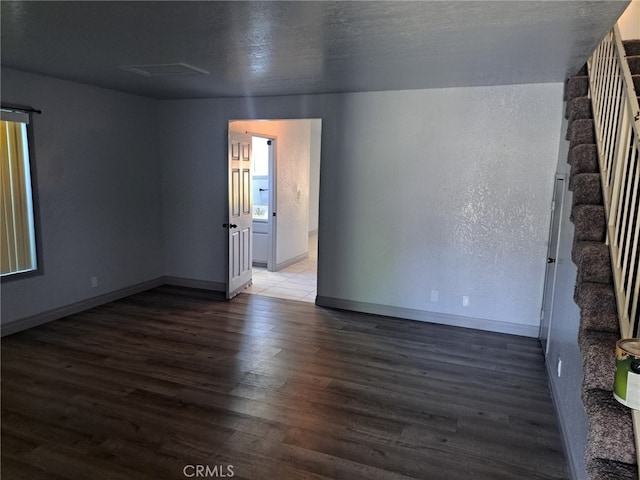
<point x="17" y="245"/>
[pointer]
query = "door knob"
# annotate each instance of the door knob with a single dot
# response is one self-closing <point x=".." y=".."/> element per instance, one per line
<point x="551" y="260"/>
<point x="229" y="225"/>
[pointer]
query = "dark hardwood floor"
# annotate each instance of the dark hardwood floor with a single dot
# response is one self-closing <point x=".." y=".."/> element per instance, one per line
<point x="174" y="382"/>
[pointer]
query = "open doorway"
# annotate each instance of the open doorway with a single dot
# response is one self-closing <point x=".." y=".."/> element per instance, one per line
<point x="263" y="202"/>
<point x="285" y="198"/>
<point x="295" y="282"/>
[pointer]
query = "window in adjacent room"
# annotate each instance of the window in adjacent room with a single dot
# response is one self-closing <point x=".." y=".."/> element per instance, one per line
<point x="18" y="240"/>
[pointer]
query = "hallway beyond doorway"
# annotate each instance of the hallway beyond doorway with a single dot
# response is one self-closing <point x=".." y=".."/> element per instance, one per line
<point x="295" y="282"/>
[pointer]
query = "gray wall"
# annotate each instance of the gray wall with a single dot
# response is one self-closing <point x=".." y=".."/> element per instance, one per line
<point x="563" y="336"/>
<point x="422" y="190"/>
<point x="445" y="190"/>
<point x="314" y="176"/>
<point x="98" y="175"/>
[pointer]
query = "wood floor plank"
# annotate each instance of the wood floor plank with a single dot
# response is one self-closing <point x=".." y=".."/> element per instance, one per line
<point x="148" y="385"/>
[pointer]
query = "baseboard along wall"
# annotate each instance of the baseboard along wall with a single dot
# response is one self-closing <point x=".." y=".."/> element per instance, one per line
<point x="433" y="317"/>
<point x="356" y="306"/>
<point x="61" y="312"/>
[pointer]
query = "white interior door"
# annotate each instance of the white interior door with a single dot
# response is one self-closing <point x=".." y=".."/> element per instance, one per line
<point x="546" y="315"/>
<point x="239" y="225"/>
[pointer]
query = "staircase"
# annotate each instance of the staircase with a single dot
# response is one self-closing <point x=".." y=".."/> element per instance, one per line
<point x="610" y="447"/>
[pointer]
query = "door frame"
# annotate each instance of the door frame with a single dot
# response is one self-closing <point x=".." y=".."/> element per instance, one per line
<point x="551" y="269"/>
<point x="272" y="241"/>
<point x="272" y="224"/>
<point x="273" y="176"/>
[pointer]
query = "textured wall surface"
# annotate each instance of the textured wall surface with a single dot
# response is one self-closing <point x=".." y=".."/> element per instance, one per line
<point x="99" y="189"/>
<point x="445" y="189"/>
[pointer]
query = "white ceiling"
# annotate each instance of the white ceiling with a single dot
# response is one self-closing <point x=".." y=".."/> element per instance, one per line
<point x="296" y="47"/>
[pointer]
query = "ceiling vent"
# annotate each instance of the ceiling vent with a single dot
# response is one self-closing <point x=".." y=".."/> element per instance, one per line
<point x="164" y="69"/>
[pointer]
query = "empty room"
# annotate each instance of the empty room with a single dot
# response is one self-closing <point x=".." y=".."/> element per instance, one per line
<point x="431" y="169"/>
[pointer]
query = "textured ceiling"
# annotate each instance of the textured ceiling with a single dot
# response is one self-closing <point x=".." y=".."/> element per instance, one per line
<point x="277" y="48"/>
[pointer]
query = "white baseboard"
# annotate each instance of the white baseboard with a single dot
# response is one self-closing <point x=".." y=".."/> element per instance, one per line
<point x="56" y="313"/>
<point x="433" y="317"/>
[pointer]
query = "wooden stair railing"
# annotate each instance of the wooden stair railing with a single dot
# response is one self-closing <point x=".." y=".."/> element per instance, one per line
<point x="617" y="124"/>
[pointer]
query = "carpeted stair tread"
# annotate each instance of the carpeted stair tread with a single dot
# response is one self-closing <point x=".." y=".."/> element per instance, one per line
<point x="631" y="47"/>
<point x="582" y="132"/>
<point x="576" y="87"/>
<point x="578" y="247"/>
<point x="636" y="83"/>
<point x="601" y="469"/>
<point x="587" y="189"/>
<point x="594" y="264"/>
<point x="595" y="298"/>
<point x="600" y="322"/>
<point x="584" y="159"/>
<point x="610" y="448"/>
<point x="584" y="166"/>
<point x="598" y="360"/>
<point x="634" y="64"/>
<point x="597" y="313"/>
<point x="610" y="431"/>
<point x="577" y="108"/>
<point x="589" y="222"/>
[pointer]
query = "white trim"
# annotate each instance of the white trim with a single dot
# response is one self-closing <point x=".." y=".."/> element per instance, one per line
<point x="433" y="317"/>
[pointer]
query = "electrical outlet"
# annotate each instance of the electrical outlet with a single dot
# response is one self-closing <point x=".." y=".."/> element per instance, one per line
<point x="559" y="368"/>
<point x="465" y="300"/>
<point x="435" y="295"/>
<point x="94" y="282"/>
